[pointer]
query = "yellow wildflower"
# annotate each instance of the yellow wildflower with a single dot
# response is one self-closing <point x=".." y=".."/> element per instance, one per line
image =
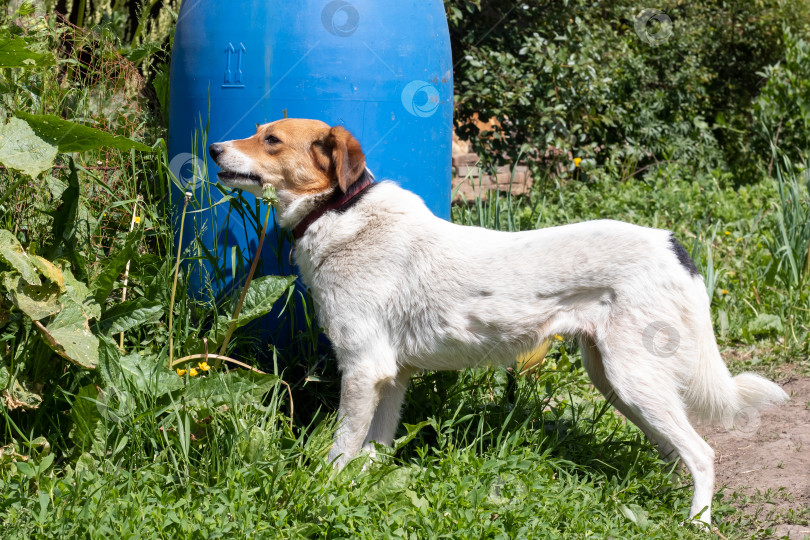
<point x="204" y="366"/>
<point x="181" y="372"/>
<point x="727" y="233"/>
<point x="577" y="161"/>
<point x="723" y="291"/>
<point x="137" y="219"/>
<point x="193" y="372"/>
<point x="558" y="337"/>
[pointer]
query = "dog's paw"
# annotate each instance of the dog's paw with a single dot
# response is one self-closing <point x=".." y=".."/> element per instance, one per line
<point x="377" y="453"/>
<point x="698" y="523"/>
<point x="370" y="449"/>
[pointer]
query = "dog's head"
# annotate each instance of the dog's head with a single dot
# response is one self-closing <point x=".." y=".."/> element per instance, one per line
<point x="297" y="157"/>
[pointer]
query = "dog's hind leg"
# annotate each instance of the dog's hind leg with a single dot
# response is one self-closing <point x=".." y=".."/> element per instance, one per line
<point x="592" y="362"/>
<point x="638" y="381"/>
<point x="673" y="426"/>
<point x="386" y="417"/>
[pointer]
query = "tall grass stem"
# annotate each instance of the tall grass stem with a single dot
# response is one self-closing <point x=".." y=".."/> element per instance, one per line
<point x="126" y="270"/>
<point x="176" y="272"/>
<point x="232" y="327"/>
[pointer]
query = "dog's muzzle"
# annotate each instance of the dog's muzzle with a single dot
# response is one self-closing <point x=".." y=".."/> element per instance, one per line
<point x="234" y="178"/>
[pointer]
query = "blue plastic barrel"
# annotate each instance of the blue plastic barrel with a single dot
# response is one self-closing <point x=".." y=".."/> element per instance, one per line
<point x="381" y="69"/>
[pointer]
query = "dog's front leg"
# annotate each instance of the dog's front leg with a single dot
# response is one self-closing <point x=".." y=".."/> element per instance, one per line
<point x="386" y="417"/>
<point x="359" y="396"/>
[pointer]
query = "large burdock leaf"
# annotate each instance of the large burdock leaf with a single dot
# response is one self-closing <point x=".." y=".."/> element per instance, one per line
<point x="50" y="271"/>
<point x="127" y="315"/>
<point x="36" y="301"/>
<point x="259" y="300"/>
<point x="12" y="252"/>
<point x="73" y="137"/>
<point x="79" y="293"/>
<point x="147" y="376"/>
<point x="14" y="53"/>
<point x="22" y="150"/>
<point x="261" y="295"/>
<point x="69" y="335"/>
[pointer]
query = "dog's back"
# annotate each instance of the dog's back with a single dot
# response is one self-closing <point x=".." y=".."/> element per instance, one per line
<point x="440" y="291"/>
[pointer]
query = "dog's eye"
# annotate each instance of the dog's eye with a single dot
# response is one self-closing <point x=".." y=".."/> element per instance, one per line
<point x="271" y="139"/>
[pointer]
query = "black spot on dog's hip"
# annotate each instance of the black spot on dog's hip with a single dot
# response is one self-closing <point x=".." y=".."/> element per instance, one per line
<point x="683" y="256"/>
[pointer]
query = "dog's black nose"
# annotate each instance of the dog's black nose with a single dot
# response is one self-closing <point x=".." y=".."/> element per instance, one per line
<point x="215" y="150"/>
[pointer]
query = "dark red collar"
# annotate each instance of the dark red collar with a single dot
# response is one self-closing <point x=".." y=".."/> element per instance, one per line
<point x="335" y="202"/>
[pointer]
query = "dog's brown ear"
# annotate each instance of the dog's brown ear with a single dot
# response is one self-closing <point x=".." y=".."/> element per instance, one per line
<point x="348" y="160"/>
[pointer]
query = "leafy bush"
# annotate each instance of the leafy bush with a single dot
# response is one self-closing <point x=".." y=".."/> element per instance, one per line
<point x="69" y="333"/>
<point x="782" y="110"/>
<point x="606" y="83"/>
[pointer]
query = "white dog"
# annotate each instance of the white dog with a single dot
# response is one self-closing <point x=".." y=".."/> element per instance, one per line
<point x="399" y="290"/>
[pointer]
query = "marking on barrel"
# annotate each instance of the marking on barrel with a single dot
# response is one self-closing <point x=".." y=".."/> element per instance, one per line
<point x="233" y="77"/>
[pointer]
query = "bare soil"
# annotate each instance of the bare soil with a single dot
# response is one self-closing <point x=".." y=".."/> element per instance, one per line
<point x="764" y="462"/>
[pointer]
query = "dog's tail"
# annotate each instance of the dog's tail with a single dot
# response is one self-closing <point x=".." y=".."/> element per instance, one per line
<point x="712" y="394"/>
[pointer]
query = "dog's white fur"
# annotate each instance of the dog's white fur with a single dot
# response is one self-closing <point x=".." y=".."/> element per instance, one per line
<point x="399" y="290"/>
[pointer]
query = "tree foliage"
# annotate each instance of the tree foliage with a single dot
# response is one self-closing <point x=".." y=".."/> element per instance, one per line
<point x="600" y="81"/>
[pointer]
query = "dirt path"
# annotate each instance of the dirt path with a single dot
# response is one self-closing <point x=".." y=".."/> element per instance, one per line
<point x="767" y="460"/>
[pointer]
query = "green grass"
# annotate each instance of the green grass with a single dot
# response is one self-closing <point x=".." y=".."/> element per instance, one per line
<point x="548" y="461"/>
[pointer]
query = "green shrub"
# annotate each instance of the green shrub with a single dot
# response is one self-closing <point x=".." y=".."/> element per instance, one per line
<point x="782" y="110"/>
<point x="590" y="80"/>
